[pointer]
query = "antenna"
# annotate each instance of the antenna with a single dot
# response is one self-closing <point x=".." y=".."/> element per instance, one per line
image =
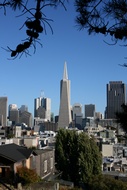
<point x="42" y="94"/>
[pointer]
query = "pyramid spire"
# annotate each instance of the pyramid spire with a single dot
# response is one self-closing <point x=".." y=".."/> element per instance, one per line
<point x="65" y="74"/>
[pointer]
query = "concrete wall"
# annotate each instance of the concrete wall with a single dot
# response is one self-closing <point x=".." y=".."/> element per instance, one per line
<point x="107" y="150"/>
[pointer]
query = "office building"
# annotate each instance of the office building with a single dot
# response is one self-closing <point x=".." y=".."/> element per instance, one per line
<point x="26" y="117"/>
<point x="3" y="111"/>
<point x="42" y="108"/>
<point x="37" y="104"/>
<point x="46" y="104"/>
<point x="116" y="96"/>
<point x="65" y="118"/>
<point x="41" y="113"/>
<point x="77" y="110"/>
<point x="90" y="110"/>
<point x="23" y="108"/>
<point x="78" y="121"/>
<point x="98" y="115"/>
<point x="13" y="114"/>
<point x="77" y="115"/>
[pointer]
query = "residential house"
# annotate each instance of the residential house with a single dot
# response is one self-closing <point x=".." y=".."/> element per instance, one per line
<point x="13" y="156"/>
<point x="45" y="161"/>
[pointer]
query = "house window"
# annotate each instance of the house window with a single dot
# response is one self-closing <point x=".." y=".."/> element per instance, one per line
<point x="45" y="166"/>
<point x="51" y="162"/>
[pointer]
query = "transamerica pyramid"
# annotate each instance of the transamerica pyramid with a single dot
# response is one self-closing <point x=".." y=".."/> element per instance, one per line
<point x="65" y="118"/>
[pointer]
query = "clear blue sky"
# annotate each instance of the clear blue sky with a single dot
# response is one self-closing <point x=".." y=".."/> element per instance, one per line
<point x="91" y="63"/>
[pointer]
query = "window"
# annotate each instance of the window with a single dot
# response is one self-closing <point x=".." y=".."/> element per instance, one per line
<point x="51" y="162"/>
<point x="45" y="166"/>
<point x="2" y="133"/>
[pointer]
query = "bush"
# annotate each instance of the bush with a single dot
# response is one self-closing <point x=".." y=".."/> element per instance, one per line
<point x="27" y="176"/>
<point x="101" y="182"/>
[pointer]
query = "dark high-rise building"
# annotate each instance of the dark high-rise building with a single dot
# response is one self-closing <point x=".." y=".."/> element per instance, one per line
<point x="116" y="96"/>
<point x="26" y="117"/>
<point x="37" y="104"/>
<point x="65" y="118"/>
<point x="3" y="111"/>
<point x="89" y="110"/>
<point x="41" y="112"/>
<point x="23" y="108"/>
<point x="13" y="114"/>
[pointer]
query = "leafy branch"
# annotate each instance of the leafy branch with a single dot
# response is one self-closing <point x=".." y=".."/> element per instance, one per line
<point x="35" y="24"/>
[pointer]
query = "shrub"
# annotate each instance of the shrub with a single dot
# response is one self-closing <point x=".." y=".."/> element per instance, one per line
<point x="27" y="176"/>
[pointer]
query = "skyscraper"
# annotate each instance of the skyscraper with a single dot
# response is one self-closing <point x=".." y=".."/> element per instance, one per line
<point x="77" y="115"/>
<point x="13" y="114"/>
<point x="64" y="111"/>
<point x="77" y="110"/>
<point x="46" y="103"/>
<point x="42" y="108"/>
<point x="116" y="96"/>
<point x="3" y="111"/>
<point x="90" y="110"/>
<point x="23" y="108"/>
<point x="37" y="104"/>
<point x="26" y="117"/>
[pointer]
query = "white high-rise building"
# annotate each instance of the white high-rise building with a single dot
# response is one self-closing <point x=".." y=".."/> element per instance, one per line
<point x="65" y="118"/>
<point x="42" y="108"/>
<point x="77" y="110"/>
<point x="13" y="107"/>
<point x="46" y="103"/>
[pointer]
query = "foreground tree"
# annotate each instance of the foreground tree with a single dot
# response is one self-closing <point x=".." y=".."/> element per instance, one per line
<point x="122" y="117"/>
<point x="77" y="156"/>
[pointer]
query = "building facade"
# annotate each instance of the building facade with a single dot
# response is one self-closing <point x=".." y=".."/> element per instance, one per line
<point x="77" y="110"/>
<point x="26" y="117"/>
<point x="116" y="96"/>
<point x="13" y="114"/>
<point x="65" y="118"/>
<point x="3" y="111"/>
<point x="37" y="104"/>
<point x="46" y="104"/>
<point x="89" y="110"/>
<point x="42" y="108"/>
<point x="23" y="108"/>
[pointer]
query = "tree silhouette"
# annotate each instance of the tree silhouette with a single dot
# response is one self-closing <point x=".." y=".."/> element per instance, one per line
<point x="108" y="18"/>
<point x="105" y="17"/>
<point x="35" y="22"/>
<point x="122" y="117"/>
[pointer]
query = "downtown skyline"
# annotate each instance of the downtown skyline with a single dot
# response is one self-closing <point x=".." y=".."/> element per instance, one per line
<point x="91" y="63"/>
<point x="42" y="96"/>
